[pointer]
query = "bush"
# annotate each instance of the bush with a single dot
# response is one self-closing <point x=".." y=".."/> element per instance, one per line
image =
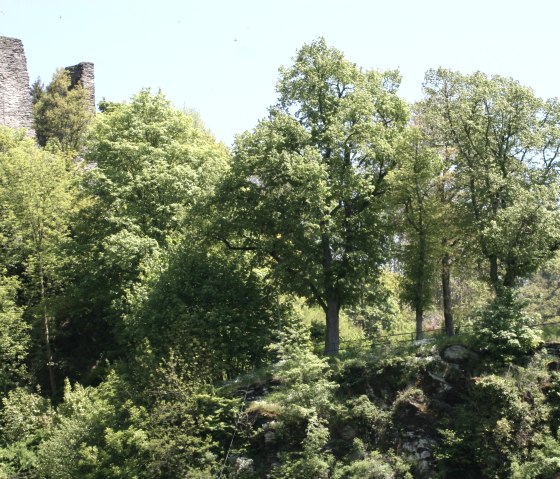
<point x="501" y="427"/>
<point x="372" y="465"/>
<point x="504" y="330"/>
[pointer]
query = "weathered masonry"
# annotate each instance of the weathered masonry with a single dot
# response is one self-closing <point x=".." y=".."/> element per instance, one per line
<point x="15" y="96"/>
<point x="15" y="99"/>
<point x="83" y="73"/>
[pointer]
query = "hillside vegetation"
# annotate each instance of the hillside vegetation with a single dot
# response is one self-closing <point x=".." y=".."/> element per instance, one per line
<point x="355" y="289"/>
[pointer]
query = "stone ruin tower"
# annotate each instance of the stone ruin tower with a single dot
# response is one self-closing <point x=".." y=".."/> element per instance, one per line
<point x="15" y="97"/>
<point x="83" y="73"/>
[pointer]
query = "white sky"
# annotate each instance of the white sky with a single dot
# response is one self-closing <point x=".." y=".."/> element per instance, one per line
<point x="222" y="57"/>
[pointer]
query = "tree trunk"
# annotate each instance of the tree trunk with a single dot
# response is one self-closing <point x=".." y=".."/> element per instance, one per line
<point x="509" y="277"/>
<point x="446" y="289"/>
<point x="332" y="306"/>
<point x="50" y="360"/>
<point x="420" y="285"/>
<point x="419" y="322"/>
<point x="332" y="338"/>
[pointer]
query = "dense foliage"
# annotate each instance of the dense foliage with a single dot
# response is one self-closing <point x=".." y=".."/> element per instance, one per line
<point x="170" y="308"/>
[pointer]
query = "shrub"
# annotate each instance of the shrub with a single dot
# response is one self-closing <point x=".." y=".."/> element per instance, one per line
<point x="504" y="330"/>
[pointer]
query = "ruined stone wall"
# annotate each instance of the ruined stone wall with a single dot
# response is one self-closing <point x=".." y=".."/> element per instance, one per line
<point x="83" y="73"/>
<point x="15" y="97"/>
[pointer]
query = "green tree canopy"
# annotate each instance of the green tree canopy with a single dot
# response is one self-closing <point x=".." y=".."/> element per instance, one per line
<point x="415" y="189"/>
<point x="152" y="164"/>
<point x="148" y="167"/>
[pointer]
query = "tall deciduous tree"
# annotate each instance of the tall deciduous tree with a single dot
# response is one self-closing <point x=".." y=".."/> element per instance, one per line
<point x="36" y="197"/>
<point x="451" y="238"/>
<point x="306" y="186"/>
<point x="415" y="187"/>
<point x="507" y="150"/>
<point x="453" y="224"/>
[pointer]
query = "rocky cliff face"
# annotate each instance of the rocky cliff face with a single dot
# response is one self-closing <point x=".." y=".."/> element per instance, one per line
<point x="15" y="98"/>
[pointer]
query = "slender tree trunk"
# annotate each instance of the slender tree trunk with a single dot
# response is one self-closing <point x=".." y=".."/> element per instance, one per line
<point x="332" y="306"/>
<point x="420" y="285"/>
<point x="332" y="337"/>
<point x="50" y="361"/>
<point x="446" y="289"/>
<point x="419" y="322"/>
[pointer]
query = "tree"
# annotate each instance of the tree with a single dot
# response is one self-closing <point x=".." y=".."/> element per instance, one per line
<point x="451" y="231"/>
<point x="415" y="187"/>
<point x="149" y="167"/>
<point x="507" y="149"/>
<point x="306" y="187"/>
<point x="36" y="197"/>
<point x="452" y="222"/>
<point x="62" y="113"/>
